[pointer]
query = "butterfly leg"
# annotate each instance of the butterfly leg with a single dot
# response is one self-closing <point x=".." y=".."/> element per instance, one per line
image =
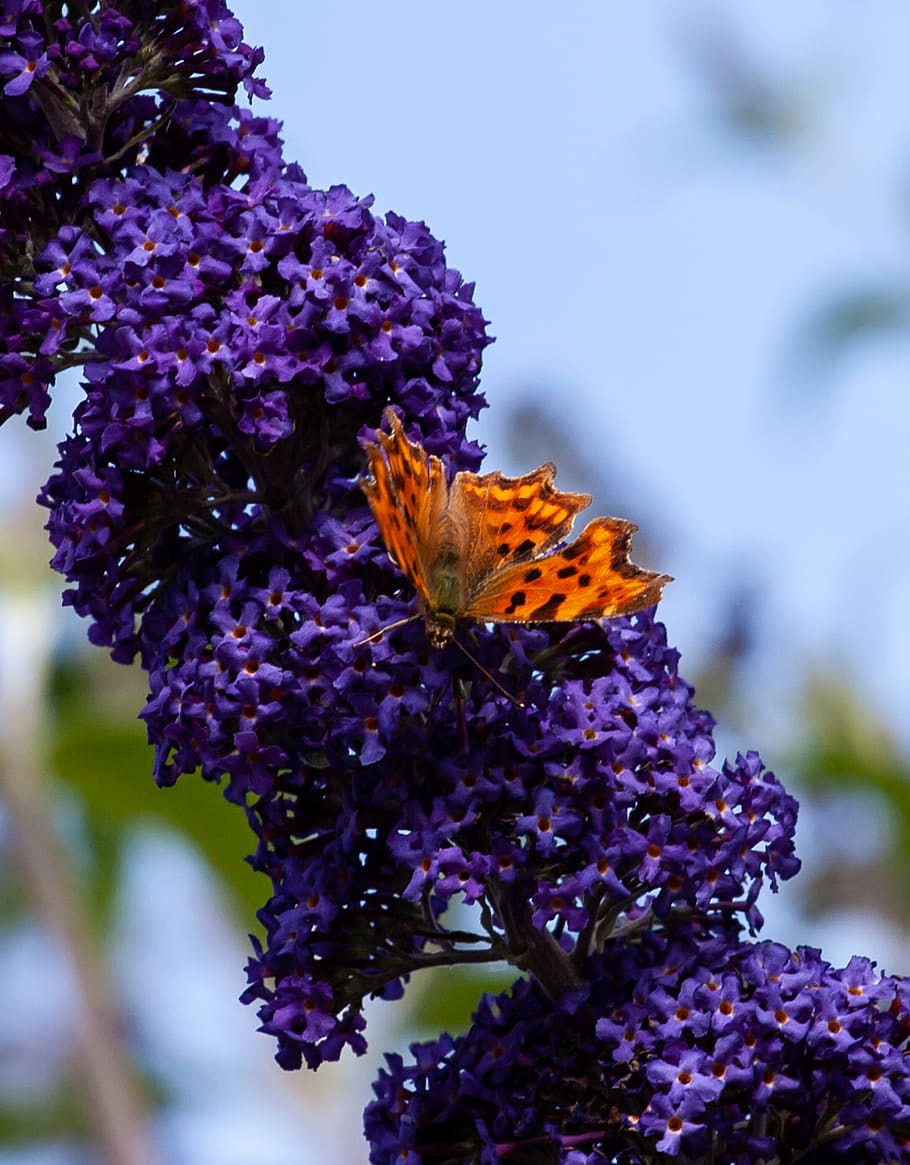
<point x="461" y="720"/>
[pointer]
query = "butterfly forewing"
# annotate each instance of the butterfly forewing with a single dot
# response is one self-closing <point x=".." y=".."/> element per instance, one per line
<point x="511" y="519"/>
<point x="407" y="492"/>
<point x="591" y="578"/>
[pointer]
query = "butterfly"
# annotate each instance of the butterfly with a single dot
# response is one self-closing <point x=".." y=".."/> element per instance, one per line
<point x="491" y="548"/>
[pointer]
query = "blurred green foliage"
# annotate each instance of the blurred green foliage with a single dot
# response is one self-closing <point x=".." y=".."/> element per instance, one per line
<point x="99" y="752"/>
<point x="845" y="750"/>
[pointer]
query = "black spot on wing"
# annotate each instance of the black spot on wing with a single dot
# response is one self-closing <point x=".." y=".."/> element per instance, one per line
<point x="517" y="600"/>
<point x="532" y="575"/>
<point x="566" y="571"/>
<point x="584" y="580"/>
<point x="548" y="609"/>
<point x="539" y="522"/>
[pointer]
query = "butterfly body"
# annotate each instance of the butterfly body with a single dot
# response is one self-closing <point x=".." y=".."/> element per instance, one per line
<point x="444" y="599"/>
<point x="490" y="548"/>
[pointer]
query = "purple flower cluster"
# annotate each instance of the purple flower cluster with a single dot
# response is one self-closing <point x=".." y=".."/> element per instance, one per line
<point x="699" y="1048"/>
<point x="593" y="807"/>
<point x="238" y="342"/>
<point x="239" y="332"/>
<point x="86" y="94"/>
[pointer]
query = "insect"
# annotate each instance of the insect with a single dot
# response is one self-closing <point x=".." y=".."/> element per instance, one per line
<point x="490" y="548"/>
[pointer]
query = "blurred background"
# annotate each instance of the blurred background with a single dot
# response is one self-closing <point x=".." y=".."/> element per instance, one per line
<point x="689" y="225"/>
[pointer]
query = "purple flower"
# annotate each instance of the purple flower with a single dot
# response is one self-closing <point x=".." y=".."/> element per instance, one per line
<point x="667" y="1121"/>
<point x="25" y="66"/>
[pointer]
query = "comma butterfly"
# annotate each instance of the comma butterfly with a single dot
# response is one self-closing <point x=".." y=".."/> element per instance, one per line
<point x="487" y="547"/>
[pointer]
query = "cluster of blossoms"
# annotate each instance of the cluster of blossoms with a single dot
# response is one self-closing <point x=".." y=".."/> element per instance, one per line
<point x="238" y="332"/>
<point x="699" y="1048"/>
<point x="592" y="806"/>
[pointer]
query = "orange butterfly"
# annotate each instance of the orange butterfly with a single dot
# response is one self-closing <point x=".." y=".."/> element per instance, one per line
<point x="484" y="546"/>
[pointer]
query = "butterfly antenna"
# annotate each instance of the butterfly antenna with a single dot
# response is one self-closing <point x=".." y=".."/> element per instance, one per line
<point x="382" y="630"/>
<point x="493" y="680"/>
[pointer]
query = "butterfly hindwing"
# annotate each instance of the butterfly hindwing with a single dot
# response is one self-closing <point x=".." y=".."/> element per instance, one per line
<point x="591" y="578"/>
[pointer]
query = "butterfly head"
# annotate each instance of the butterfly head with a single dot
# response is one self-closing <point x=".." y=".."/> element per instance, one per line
<point x="440" y="627"/>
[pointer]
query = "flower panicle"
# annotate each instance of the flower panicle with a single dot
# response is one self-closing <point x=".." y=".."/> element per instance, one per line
<point x="685" y="1047"/>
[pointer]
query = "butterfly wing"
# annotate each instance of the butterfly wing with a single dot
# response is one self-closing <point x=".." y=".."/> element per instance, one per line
<point x="407" y="493"/>
<point x="591" y="578"/>
<point x="483" y="548"/>
<point x="509" y="519"/>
